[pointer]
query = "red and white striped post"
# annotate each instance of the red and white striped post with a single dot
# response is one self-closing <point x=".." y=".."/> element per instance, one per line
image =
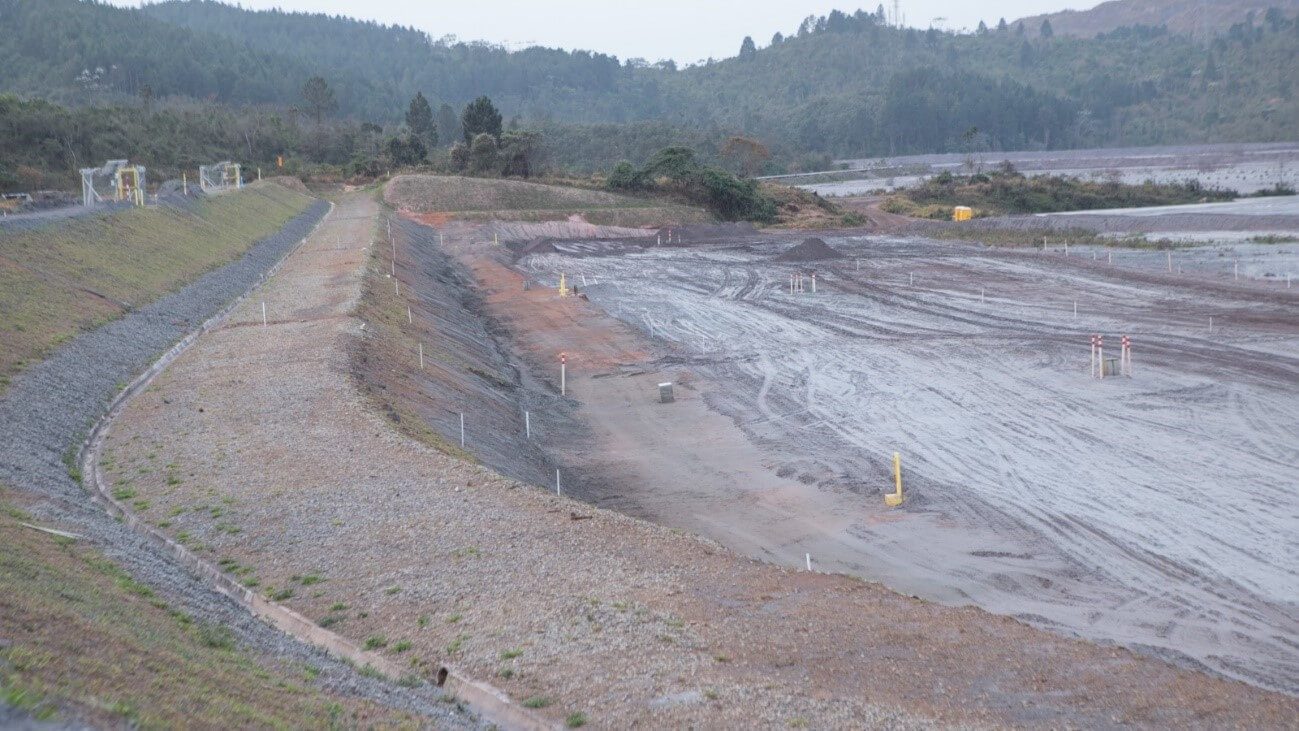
<point x="1125" y="358"/>
<point x="563" y="374"/>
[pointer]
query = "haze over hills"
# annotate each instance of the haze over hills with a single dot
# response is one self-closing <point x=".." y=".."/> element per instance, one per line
<point x="845" y="84"/>
<point x="1202" y="18"/>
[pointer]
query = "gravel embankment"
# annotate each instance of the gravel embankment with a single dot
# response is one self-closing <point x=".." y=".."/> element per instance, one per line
<point x="46" y="412"/>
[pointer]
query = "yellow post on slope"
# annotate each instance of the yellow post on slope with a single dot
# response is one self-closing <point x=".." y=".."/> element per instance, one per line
<point x="563" y="285"/>
<point x="894" y="499"/>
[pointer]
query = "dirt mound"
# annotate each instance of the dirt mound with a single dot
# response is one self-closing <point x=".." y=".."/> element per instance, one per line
<point x="290" y="182"/>
<point x="430" y="193"/>
<point x="811" y="250"/>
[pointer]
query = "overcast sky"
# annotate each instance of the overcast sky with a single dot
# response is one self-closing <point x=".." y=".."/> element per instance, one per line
<point x="684" y="30"/>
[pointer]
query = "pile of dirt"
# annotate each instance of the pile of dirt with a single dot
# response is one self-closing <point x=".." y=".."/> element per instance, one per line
<point x="811" y="250"/>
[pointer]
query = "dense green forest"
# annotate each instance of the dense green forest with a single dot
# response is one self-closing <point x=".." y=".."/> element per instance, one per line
<point x="843" y="84"/>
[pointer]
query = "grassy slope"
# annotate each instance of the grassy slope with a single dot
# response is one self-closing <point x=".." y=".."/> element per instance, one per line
<point x="83" y="640"/>
<point x="516" y="200"/>
<point x="75" y="275"/>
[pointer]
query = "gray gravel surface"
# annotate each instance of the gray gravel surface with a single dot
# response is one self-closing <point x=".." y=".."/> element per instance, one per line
<point x="49" y="408"/>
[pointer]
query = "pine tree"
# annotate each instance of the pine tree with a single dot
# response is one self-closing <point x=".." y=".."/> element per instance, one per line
<point x="748" y="49"/>
<point x="419" y="118"/>
<point x="480" y="117"/>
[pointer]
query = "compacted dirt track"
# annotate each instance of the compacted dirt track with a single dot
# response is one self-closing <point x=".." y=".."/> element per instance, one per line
<point x="259" y="449"/>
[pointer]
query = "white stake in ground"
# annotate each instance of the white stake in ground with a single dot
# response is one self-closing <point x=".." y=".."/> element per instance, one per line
<point x="1100" y="354"/>
<point x="421" y="356"/>
<point x="462" y="430"/>
<point x="1109" y="257"/>
<point x="808" y="557"/>
<point x="527" y="424"/>
<point x="980" y="295"/>
<point x="558" y="491"/>
<point x="409" y="319"/>
<point x="1170" y="261"/>
<point x="913" y="279"/>
<point x="1211" y="324"/>
<point x="813" y="282"/>
<point x="397" y="283"/>
<point x="1125" y="357"/>
<point x="563" y="374"/>
<point x="263" y="313"/>
<point x="1091" y="365"/>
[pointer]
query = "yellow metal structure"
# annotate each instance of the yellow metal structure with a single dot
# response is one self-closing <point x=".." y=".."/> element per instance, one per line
<point x="128" y="186"/>
<point x="894" y="499"/>
<point x="962" y="213"/>
<point x="563" y="286"/>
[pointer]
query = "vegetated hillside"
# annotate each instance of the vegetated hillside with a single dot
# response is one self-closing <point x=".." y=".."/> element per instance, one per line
<point x="87" y="644"/>
<point x="74" y="275"/>
<point x="1005" y="191"/>
<point x="78" y="52"/>
<point x="843" y="84"/>
<point x="1202" y="18"/>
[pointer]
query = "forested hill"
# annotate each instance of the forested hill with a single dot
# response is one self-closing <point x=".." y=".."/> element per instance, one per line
<point x="1202" y="18"/>
<point x="843" y="84"/>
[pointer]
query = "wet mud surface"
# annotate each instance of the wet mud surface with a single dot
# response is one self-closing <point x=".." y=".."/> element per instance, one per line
<point x="1158" y="512"/>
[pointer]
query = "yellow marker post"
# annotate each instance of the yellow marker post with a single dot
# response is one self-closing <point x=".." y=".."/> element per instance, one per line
<point x="894" y="499"/>
<point x="563" y="285"/>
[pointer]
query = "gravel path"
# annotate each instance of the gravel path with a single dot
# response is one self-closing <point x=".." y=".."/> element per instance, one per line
<point x="49" y="408"/>
<point x="437" y="560"/>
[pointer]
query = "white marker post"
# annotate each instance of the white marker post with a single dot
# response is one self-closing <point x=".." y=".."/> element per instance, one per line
<point x="527" y="424"/>
<point x="563" y="374"/>
<point x="1066" y="248"/>
<point x="1170" y="261"/>
<point x="462" y="430"/>
<point x="409" y="319"/>
<point x="1125" y="358"/>
<point x="421" y="356"/>
<point x="980" y="295"/>
<point x="263" y="313"/>
<point x="397" y="283"/>
<point x="913" y="279"/>
<point x="1109" y="257"/>
<point x="808" y="556"/>
<point x="1211" y="324"/>
<point x="558" y="491"/>
<point x="1100" y="354"/>
<point x="1091" y="365"/>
